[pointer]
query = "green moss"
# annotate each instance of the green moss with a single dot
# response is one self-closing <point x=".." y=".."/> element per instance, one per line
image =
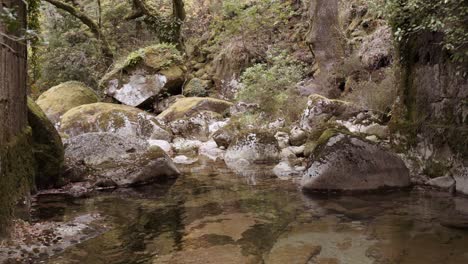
<point x="185" y="107"/>
<point x="196" y="87"/>
<point x="47" y="146"/>
<point x="16" y="173"/>
<point x="61" y="98"/>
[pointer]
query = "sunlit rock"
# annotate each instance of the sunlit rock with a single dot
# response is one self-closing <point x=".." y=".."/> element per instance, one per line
<point x="59" y="99"/>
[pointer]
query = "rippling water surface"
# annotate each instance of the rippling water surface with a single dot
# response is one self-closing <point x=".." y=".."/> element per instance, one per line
<point x="209" y="215"/>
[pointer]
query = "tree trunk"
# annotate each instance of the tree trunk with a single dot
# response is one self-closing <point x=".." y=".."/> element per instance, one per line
<point x="16" y="157"/>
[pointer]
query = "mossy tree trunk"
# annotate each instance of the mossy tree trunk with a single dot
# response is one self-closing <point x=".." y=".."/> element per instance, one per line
<point x="16" y="159"/>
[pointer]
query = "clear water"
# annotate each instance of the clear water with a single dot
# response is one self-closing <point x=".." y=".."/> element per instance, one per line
<point x="210" y="215"/>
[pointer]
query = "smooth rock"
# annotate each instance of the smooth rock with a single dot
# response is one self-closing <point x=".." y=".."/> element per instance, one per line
<point x="348" y="163"/>
<point x="442" y="182"/>
<point x="123" y="160"/>
<point x="59" y="99"/>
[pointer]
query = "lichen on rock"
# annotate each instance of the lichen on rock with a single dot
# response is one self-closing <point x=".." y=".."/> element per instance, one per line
<point x="120" y="119"/>
<point x="188" y="107"/>
<point x="59" y="99"/>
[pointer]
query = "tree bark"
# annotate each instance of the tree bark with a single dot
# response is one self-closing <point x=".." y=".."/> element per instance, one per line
<point x="93" y="26"/>
<point x="13" y="78"/>
<point x="13" y="113"/>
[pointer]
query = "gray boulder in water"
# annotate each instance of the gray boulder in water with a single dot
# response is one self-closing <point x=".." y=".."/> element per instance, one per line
<point x="124" y="161"/>
<point x="252" y="147"/>
<point x="347" y="163"/>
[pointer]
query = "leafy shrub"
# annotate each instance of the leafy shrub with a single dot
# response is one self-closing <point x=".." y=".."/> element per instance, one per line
<point x="270" y="85"/>
<point x="375" y="96"/>
<point x="410" y="17"/>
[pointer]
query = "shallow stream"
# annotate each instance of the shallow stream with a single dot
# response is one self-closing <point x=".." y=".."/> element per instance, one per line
<point x="210" y="215"/>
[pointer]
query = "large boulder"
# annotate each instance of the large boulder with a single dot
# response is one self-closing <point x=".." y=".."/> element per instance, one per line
<point x="124" y="120"/>
<point x="253" y="147"/>
<point x="346" y="163"/>
<point x="118" y="160"/>
<point x="146" y="73"/>
<point x="59" y="99"/>
<point x="47" y="147"/>
<point x="189" y="107"/>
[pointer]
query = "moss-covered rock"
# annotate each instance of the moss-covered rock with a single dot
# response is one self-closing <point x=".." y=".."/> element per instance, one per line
<point x="196" y="87"/>
<point x="120" y="119"/>
<point x="47" y="145"/>
<point x="144" y="74"/>
<point x="17" y="165"/>
<point x="61" y="98"/>
<point x="188" y="107"/>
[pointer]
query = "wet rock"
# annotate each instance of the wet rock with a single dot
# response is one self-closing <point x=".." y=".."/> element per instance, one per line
<point x="145" y="74"/>
<point x="344" y="162"/>
<point x="59" y="99"/>
<point x="255" y="147"/>
<point x="123" y="120"/>
<point x="182" y="145"/>
<point x="210" y="149"/>
<point x="124" y="160"/>
<point x="182" y="159"/>
<point x="445" y="182"/>
<point x="48" y="147"/>
<point x="285" y="171"/>
<point x="189" y="107"/>
<point x="297" y="137"/>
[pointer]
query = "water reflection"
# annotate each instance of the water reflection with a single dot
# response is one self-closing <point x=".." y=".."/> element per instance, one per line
<point x="211" y="215"/>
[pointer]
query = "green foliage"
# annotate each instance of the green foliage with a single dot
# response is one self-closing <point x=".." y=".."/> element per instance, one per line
<point x="449" y="17"/>
<point x="159" y="56"/>
<point x="254" y="21"/>
<point x="377" y="96"/>
<point x="34" y="27"/>
<point x="271" y="85"/>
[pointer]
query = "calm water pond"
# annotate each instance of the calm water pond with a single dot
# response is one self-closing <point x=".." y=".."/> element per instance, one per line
<point x="210" y="215"/>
